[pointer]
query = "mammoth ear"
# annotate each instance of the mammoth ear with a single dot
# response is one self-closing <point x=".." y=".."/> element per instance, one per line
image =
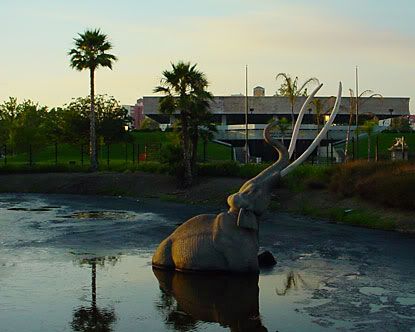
<point x="247" y="219"/>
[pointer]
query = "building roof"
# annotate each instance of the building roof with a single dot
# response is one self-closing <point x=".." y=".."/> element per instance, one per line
<point x="281" y="105"/>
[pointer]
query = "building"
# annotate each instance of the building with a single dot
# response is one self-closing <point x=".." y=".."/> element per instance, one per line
<point x="136" y="112"/>
<point x="229" y="114"/>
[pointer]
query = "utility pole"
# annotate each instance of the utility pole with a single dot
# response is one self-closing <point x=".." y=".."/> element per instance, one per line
<point x="357" y="113"/>
<point x="246" y="115"/>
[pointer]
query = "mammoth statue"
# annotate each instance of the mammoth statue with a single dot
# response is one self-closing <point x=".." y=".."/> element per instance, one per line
<point x="228" y="242"/>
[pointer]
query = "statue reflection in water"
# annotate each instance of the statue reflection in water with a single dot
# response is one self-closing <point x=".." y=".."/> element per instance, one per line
<point x="293" y="282"/>
<point x="94" y="318"/>
<point x="230" y="300"/>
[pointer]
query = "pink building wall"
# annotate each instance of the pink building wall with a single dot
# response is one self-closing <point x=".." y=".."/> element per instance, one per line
<point x="137" y="113"/>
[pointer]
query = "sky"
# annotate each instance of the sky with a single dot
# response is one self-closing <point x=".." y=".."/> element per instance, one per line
<point x="326" y="39"/>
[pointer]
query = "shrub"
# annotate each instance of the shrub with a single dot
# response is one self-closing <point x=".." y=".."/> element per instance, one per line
<point x="152" y="167"/>
<point x="394" y="190"/>
<point x="248" y="171"/>
<point x="388" y="183"/>
<point x="308" y="176"/>
<point x="223" y="168"/>
<point x="171" y="156"/>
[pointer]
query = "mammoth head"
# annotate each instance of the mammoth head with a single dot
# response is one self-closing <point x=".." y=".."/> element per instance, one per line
<point x="249" y="203"/>
<point x="253" y="197"/>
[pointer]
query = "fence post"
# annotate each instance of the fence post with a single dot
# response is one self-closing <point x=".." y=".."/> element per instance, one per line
<point x="5" y="154"/>
<point x="232" y="153"/>
<point x="108" y="156"/>
<point x="331" y="152"/>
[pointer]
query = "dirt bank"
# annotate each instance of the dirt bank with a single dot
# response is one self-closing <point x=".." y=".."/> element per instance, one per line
<point x="138" y="184"/>
<point x="212" y="191"/>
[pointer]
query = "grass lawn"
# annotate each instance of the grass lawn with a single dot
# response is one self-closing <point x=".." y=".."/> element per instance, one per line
<point x="386" y="140"/>
<point x="149" y="142"/>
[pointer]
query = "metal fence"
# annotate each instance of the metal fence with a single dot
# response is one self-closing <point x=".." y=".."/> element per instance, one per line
<point x="108" y="154"/>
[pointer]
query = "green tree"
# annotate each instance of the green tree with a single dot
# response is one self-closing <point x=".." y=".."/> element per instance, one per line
<point x="8" y="113"/>
<point x="24" y="124"/>
<point x="184" y="88"/>
<point x="90" y="52"/>
<point x="111" y="119"/>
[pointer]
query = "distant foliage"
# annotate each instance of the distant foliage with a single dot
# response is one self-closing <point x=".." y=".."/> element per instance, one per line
<point x="111" y="119"/>
<point x="27" y="122"/>
<point x="24" y="123"/>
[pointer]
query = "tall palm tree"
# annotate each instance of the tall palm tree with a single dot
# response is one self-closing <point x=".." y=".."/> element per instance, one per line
<point x="289" y="88"/>
<point x="184" y="88"/>
<point x="354" y="103"/>
<point x="90" y="52"/>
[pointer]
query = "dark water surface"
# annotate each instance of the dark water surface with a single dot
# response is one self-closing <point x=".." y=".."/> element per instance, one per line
<point x="80" y="263"/>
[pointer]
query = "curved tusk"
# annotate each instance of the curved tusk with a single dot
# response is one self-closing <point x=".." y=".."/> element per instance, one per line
<point x="299" y="120"/>
<point x="319" y="137"/>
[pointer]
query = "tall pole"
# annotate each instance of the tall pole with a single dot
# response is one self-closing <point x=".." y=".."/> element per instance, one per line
<point x="246" y="115"/>
<point x="357" y="112"/>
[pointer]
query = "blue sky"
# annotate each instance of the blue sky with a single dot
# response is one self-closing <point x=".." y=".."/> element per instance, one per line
<point x="320" y="38"/>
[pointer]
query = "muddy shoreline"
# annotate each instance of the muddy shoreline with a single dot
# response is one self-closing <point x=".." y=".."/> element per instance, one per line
<point x="211" y="191"/>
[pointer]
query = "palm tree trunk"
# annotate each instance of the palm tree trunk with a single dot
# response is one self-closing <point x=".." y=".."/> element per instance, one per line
<point x="195" y="140"/>
<point x="346" y="148"/>
<point x="187" y="181"/>
<point x="92" y="133"/>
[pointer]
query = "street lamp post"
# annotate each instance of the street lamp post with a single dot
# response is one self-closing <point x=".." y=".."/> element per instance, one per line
<point x="251" y="110"/>
<point x="357" y="113"/>
<point x="246" y="115"/>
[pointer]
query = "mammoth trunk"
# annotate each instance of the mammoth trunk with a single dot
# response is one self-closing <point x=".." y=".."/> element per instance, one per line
<point x="270" y="175"/>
